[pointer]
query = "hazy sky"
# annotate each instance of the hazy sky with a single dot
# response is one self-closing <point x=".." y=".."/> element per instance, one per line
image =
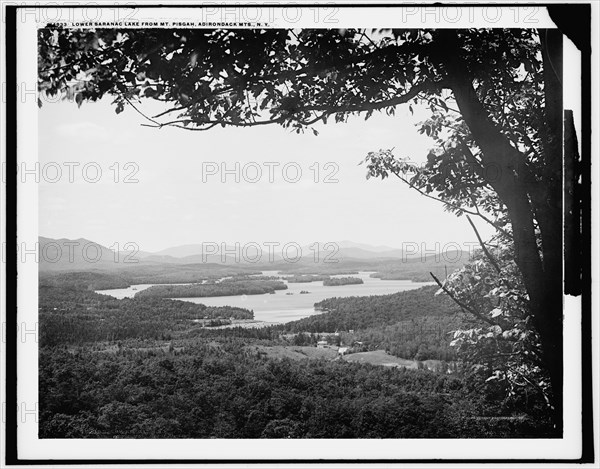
<point x="178" y="201"/>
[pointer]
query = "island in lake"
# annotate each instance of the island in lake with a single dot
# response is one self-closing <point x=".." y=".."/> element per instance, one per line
<point x="336" y="282"/>
<point x="226" y="287"/>
<point x="307" y="278"/>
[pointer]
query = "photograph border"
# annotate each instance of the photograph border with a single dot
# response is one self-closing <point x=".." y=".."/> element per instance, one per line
<point x="11" y="264"/>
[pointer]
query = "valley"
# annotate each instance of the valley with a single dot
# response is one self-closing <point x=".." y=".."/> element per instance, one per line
<point x="219" y="351"/>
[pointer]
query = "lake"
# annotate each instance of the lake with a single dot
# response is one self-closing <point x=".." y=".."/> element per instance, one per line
<point x="282" y="307"/>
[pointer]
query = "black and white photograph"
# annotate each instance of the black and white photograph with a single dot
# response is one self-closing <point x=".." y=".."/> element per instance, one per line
<point x="295" y="233"/>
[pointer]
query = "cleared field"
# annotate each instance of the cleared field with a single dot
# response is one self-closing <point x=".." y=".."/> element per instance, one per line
<point x="294" y="352"/>
<point x="375" y="357"/>
<point x="380" y="357"/>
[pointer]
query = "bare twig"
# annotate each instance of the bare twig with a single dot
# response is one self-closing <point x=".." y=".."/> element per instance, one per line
<point x="141" y="113"/>
<point x="369" y="39"/>
<point x="180" y="108"/>
<point x="450" y="204"/>
<point x="483" y="247"/>
<point x="210" y="124"/>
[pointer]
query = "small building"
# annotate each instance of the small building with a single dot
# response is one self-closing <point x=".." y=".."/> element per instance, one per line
<point x="322" y="344"/>
<point x="343" y="350"/>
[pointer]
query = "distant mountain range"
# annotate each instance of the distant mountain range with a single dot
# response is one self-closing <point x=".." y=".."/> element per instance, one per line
<point x="347" y="249"/>
<point x="366" y="247"/>
<point x="76" y="254"/>
<point x="83" y="254"/>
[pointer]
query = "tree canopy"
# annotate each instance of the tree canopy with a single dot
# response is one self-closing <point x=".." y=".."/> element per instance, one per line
<point x="259" y="76"/>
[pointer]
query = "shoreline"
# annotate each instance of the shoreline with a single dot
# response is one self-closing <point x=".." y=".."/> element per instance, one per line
<point x="243" y="323"/>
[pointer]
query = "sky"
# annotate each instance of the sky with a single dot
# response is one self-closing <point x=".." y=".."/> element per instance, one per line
<point x="122" y="182"/>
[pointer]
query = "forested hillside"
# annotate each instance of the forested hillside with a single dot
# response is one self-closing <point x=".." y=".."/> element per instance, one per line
<point x="415" y="324"/>
<point x="359" y="312"/>
<point x="227" y="391"/>
<point x="151" y="368"/>
<point x="70" y="316"/>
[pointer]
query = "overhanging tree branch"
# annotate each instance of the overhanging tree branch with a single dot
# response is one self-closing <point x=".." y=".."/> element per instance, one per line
<point x="371" y="106"/>
<point x="463" y="306"/>
<point x="326" y="110"/>
<point x="450" y="204"/>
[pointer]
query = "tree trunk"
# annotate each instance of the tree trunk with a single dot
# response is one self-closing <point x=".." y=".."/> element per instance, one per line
<point x="541" y="268"/>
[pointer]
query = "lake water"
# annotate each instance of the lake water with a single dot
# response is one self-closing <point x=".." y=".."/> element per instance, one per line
<point x="281" y="307"/>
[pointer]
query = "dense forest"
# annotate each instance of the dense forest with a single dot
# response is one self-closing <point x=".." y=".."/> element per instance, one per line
<point x="231" y="391"/>
<point x="149" y="367"/>
<point x="84" y="280"/>
<point x="359" y="312"/>
<point x="69" y="316"/>
<point x="336" y="282"/>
